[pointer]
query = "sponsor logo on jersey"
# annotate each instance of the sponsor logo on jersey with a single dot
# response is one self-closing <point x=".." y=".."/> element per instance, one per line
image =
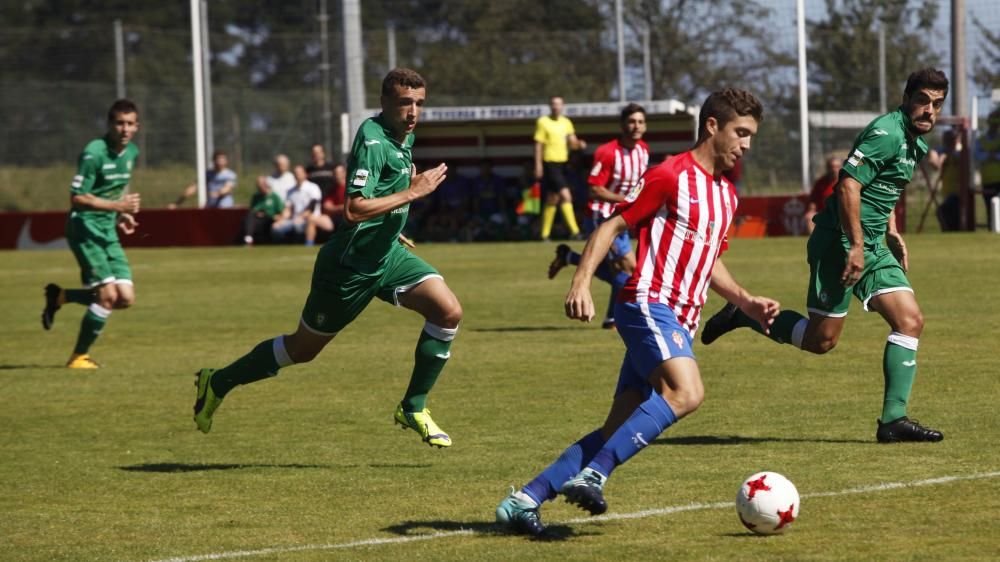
<point x="371" y="142"/>
<point x="360" y="178"/>
<point x="880" y="132"/>
<point x="910" y="363"/>
<point x="399" y="155"/>
<point x="636" y="191"/>
<point x="402" y="209"/>
<point x="111" y="166"/>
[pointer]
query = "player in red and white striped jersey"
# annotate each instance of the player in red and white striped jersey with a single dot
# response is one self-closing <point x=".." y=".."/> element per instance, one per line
<point x="618" y="166"/>
<point x="681" y="210"/>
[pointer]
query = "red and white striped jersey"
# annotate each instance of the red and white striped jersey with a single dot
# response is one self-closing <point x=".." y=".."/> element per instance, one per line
<point x="618" y="169"/>
<point x="680" y="214"/>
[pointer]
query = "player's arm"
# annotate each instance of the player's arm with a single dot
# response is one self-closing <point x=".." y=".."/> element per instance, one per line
<point x="761" y="309"/>
<point x="579" y="303"/>
<point x="849" y="199"/>
<point x="600" y="175"/>
<point x="539" y="147"/>
<point x="81" y="198"/>
<point x="359" y="208"/>
<point x="896" y="245"/>
<point x="602" y="193"/>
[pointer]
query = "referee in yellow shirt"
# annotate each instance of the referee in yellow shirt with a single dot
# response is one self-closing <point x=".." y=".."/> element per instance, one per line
<point x="554" y="137"/>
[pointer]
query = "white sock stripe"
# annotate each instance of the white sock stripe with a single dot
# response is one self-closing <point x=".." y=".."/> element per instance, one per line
<point x="280" y="353"/>
<point x="799" y="332"/>
<point x="439" y="333"/>
<point x="99" y="310"/>
<point x="909" y="342"/>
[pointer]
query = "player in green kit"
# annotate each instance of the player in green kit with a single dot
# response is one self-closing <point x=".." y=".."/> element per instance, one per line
<point x="100" y="205"/>
<point x="856" y="249"/>
<point x="364" y="260"/>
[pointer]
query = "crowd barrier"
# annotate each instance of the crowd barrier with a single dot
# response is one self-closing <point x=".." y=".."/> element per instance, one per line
<point x="777" y="215"/>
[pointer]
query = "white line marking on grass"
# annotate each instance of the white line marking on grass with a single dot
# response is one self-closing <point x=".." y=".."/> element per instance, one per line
<point x="581" y="520"/>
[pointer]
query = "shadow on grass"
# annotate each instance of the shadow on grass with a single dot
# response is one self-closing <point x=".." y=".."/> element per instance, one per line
<point x="525" y="329"/>
<point x="742" y="440"/>
<point x="417" y="528"/>
<point x="21" y="367"/>
<point x="169" y="467"/>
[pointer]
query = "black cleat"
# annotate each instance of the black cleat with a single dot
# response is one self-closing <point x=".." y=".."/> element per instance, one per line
<point x="586" y="490"/>
<point x="720" y="323"/>
<point x="51" y="305"/>
<point x="904" y="429"/>
<point x="560" y="261"/>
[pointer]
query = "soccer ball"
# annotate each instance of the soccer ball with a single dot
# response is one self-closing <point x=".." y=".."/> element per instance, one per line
<point x="767" y="503"/>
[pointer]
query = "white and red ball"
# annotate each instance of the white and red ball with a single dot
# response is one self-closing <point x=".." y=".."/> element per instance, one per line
<point x="767" y="503"/>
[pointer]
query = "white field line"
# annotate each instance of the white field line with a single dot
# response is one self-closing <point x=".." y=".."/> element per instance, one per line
<point x="581" y="520"/>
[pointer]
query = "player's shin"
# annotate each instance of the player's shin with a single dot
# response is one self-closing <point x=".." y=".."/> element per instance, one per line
<point x="788" y="327"/>
<point x="546" y="485"/>
<point x="433" y="351"/>
<point x="640" y="429"/>
<point x="262" y="362"/>
<point x="79" y="296"/>
<point x="90" y="327"/>
<point x="899" y="366"/>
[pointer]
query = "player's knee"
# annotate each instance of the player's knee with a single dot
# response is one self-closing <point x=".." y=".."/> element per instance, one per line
<point x="452" y="315"/>
<point x="821" y="345"/>
<point x="911" y="324"/>
<point x="685" y="400"/>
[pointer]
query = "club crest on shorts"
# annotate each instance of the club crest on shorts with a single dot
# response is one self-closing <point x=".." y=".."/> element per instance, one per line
<point x="676" y="336"/>
<point x="320" y="319"/>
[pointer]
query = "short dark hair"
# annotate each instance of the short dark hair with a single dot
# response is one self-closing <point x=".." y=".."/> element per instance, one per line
<point x="122" y="106"/>
<point x="401" y="77"/>
<point x="630" y="109"/>
<point x="726" y="105"/>
<point x="219" y="152"/>
<point x="929" y="77"/>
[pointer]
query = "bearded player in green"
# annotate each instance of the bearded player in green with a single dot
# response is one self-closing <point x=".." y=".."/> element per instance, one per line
<point x="856" y="248"/>
<point x="366" y="259"/>
<point x="100" y="204"/>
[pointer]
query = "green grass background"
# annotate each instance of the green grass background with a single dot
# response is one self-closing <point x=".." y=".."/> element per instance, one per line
<point x="107" y="464"/>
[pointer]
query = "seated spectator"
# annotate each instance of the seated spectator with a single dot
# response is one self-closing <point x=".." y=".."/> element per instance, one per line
<point x="281" y="179"/>
<point x="301" y="202"/>
<point x="221" y="182"/>
<point x="332" y="207"/>
<point x="321" y="171"/>
<point x="449" y="209"/>
<point x="490" y="219"/>
<point x="265" y="209"/>
<point x="821" y="189"/>
<point x="948" y="159"/>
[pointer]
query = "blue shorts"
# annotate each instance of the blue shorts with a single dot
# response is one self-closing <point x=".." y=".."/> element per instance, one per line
<point x="652" y="335"/>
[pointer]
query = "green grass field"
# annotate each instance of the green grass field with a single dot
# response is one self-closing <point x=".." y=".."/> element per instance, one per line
<point x="107" y="465"/>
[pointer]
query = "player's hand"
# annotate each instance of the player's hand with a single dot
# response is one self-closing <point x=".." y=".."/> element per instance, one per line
<point x="539" y="172"/>
<point x="898" y="248"/>
<point x="763" y="310"/>
<point x="127" y="223"/>
<point x="406" y="241"/>
<point x="579" y="305"/>
<point x="425" y="183"/>
<point x="129" y="204"/>
<point x="854" y="266"/>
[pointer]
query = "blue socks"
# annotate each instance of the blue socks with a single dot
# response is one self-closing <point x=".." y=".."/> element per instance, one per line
<point x="573" y="258"/>
<point x="546" y="485"/>
<point x="642" y="427"/>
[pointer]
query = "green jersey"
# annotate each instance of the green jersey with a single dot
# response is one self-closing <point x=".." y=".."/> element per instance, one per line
<point x="270" y="204"/>
<point x="379" y="166"/>
<point x="882" y="160"/>
<point x="104" y="173"/>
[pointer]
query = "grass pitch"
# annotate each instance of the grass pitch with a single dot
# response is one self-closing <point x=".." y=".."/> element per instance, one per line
<point x="307" y="466"/>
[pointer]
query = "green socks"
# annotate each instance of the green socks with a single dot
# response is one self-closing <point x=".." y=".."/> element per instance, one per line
<point x="262" y="362"/>
<point x="90" y="327"/>
<point x="79" y="296"/>
<point x="433" y="351"/>
<point x="899" y="366"/>
<point x="788" y="327"/>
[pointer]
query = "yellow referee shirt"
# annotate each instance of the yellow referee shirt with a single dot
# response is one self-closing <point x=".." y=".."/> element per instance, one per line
<point x="552" y="134"/>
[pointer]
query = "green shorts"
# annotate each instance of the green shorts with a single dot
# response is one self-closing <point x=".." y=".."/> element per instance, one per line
<point x="339" y="293"/>
<point x="827" y="257"/>
<point x="100" y="255"/>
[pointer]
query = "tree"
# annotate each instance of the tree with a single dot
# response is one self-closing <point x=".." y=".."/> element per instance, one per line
<point x="843" y="51"/>
<point x="988" y="64"/>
